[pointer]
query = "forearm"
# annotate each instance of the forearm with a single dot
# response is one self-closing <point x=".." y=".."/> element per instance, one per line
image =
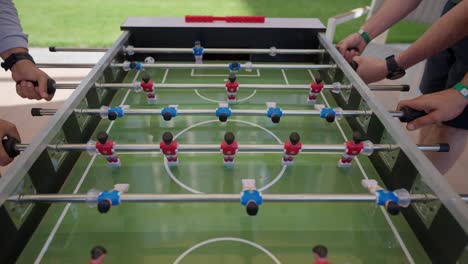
<point x="389" y="13"/>
<point x="12" y="38"/>
<point x="447" y="31"/>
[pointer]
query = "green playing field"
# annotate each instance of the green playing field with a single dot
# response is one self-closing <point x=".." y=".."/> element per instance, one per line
<point x="160" y="233"/>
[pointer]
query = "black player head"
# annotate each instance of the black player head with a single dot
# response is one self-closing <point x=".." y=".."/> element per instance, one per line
<point x="232" y="77"/>
<point x="275" y="118"/>
<point x="167" y="116"/>
<point x="223" y="117"/>
<point x="320" y="250"/>
<point x="294" y="138"/>
<point x="112" y="115"/>
<point x="357" y="137"/>
<point x="104" y="206"/>
<point x="132" y="65"/>
<point x="318" y="80"/>
<point x="252" y="208"/>
<point x="229" y="137"/>
<point x="97" y="252"/>
<point x="102" y="137"/>
<point x="330" y="118"/>
<point x="167" y="137"/>
<point x="146" y="78"/>
<point x="392" y="208"/>
<point x="197" y="42"/>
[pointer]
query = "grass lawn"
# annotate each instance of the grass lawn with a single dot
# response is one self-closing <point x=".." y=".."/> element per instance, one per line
<point x="92" y="23"/>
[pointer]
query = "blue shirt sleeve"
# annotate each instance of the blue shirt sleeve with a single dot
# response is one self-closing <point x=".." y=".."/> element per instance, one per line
<point x="11" y="33"/>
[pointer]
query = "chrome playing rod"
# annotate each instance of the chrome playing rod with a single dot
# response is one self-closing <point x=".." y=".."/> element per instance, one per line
<point x="190" y="50"/>
<point x="245" y="112"/>
<point x="65" y="65"/>
<point x="213" y="111"/>
<point x="225" y="66"/>
<point x="185" y="198"/>
<point x="241" y="86"/>
<point x="242" y="148"/>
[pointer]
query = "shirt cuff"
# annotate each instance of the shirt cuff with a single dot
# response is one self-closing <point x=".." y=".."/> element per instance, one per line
<point x="13" y="41"/>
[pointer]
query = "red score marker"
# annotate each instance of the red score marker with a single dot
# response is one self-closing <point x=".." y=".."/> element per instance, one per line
<point x="228" y="19"/>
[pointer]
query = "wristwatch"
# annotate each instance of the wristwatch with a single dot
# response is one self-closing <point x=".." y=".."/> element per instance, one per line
<point x="394" y="71"/>
<point x="461" y="88"/>
<point x="14" y="58"/>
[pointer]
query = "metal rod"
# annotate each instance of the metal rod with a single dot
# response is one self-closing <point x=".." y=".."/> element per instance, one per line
<point x="188" y="198"/>
<point x="65" y="65"/>
<point x="244" y="112"/>
<point x="222" y="86"/>
<point x="242" y="148"/>
<point x="73" y="49"/>
<point x="205" y="50"/>
<point x="225" y="66"/>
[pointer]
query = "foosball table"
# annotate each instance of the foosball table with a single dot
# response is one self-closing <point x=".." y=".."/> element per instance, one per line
<point x="230" y="140"/>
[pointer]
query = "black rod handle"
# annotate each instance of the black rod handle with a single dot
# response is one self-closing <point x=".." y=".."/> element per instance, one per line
<point x="409" y="114"/>
<point x="50" y="85"/>
<point x="9" y="144"/>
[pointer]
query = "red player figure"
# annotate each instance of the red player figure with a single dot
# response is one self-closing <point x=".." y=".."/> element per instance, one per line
<point x="320" y="254"/>
<point x="315" y="89"/>
<point x="97" y="255"/>
<point x="353" y="148"/>
<point x="229" y="148"/>
<point x="291" y="148"/>
<point x="148" y="87"/>
<point x="232" y="86"/>
<point x="106" y="148"/>
<point x="169" y="148"/>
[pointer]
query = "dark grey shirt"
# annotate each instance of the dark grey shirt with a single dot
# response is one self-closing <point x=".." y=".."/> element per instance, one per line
<point x="11" y="33"/>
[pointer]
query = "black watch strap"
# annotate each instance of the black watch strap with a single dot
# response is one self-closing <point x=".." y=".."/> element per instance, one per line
<point x="14" y="58"/>
<point x="394" y="71"/>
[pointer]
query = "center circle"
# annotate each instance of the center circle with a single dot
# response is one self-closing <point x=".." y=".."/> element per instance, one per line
<point x="181" y="184"/>
<point x="235" y="239"/>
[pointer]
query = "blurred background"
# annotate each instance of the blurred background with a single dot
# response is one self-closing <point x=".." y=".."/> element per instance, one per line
<point x="96" y="23"/>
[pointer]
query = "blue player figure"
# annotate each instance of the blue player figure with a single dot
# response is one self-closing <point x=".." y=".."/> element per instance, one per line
<point x="198" y="52"/>
<point x="169" y="112"/>
<point x="251" y="198"/>
<point x="330" y="114"/>
<point x="132" y="65"/>
<point x="105" y="200"/>
<point x="113" y="112"/>
<point x="223" y="112"/>
<point x="273" y="112"/>
<point x="234" y="67"/>
<point x="391" y="200"/>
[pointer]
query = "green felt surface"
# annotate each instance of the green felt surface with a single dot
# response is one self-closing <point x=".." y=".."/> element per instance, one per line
<point x="159" y="233"/>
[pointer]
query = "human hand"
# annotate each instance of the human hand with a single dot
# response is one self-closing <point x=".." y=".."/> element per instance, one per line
<point x="7" y="129"/>
<point x="370" y="69"/>
<point x="24" y="72"/>
<point x="440" y="106"/>
<point x="351" y="46"/>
